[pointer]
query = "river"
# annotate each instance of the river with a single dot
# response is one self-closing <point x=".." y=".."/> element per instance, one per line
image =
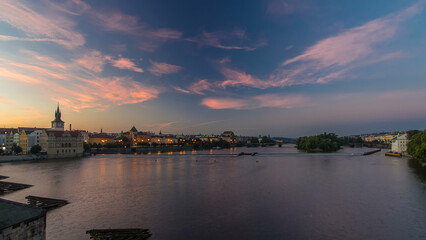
<point x="278" y="194"/>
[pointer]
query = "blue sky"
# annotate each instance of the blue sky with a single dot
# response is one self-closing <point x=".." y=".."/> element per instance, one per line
<point x="278" y="67"/>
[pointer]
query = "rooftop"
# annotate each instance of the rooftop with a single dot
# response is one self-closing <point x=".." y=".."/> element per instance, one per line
<point x="12" y="213"/>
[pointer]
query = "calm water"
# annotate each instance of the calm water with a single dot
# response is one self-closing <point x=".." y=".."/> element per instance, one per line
<point x="263" y="197"/>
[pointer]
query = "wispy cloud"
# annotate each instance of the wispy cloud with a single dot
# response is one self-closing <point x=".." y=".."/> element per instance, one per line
<point x="235" y="40"/>
<point x="38" y="27"/>
<point x="74" y="85"/>
<point x="159" y="126"/>
<point x="5" y="100"/>
<point x="125" y="63"/>
<point x="148" y="38"/>
<point x="95" y="61"/>
<point x="21" y="116"/>
<point x="260" y="101"/>
<point x="332" y="58"/>
<point x="161" y="68"/>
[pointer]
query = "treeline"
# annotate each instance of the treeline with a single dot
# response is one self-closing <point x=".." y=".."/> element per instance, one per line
<point x="417" y="145"/>
<point x="321" y="143"/>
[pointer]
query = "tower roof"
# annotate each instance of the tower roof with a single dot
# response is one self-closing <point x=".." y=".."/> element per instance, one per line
<point x="58" y="115"/>
<point x="133" y="129"/>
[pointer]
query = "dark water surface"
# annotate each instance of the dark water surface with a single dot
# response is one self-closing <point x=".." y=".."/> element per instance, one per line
<point x="222" y="197"/>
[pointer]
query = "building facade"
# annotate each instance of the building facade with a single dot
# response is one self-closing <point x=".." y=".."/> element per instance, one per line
<point x="62" y="144"/>
<point x="399" y="143"/>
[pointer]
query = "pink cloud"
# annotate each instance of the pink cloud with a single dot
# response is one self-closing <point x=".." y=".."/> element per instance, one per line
<point x="74" y="85"/>
<point x="148" y="38"/>
<point x="236" y="40"/>
<point x="332" y="58"/>
<point x="5" y="100"/>
<point x="159" y="68"/>
<point x="125" y="63"/>
<point x="201" y="86"/>
<point x="38" y="27"/>
<point x="159" y="126"/>
<point x="165" y="33"/>
<point x="260" y="101"/>
<point x="94" y="61"/>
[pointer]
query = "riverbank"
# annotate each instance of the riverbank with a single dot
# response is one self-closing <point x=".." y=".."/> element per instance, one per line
<point x="16" y="158"/>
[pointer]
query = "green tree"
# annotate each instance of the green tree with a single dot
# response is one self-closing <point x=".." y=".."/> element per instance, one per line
<point x="417" y="146"/>
<point x="35" y="149"/>
<point x="16" y="149"/>
<point x="320" y="143"/>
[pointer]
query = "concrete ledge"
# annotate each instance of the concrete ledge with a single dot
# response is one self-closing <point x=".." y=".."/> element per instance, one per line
<point x="19" y="158"/>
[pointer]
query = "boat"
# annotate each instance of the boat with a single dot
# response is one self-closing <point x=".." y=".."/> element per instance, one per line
<point x="391" y="154"/>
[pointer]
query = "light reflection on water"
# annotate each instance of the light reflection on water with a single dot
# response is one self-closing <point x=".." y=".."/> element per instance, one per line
<point x="223" y="197"/>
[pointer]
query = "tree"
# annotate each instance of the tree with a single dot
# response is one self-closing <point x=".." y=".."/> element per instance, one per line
<point x="417" y="146"/>
<point x="16" y="149"/>
<point x="35" y="149"/>
<point x="320" y="143"/>
<point x="86" y="147"/>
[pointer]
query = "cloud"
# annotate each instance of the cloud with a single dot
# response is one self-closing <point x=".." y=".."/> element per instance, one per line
<point x="260" y="101"/>
<point x="201" y="86"/>
<point x="95" y="61"/>
<point x="21" y="116"/>
<point x="74" y="85"/>
<point x="148" y="38"/>
<point x="235" y="40"/>
<point x="332" y="58"/>
<point x="159" y="126"/>
<point x="5" y="100"/>
<point x="125" y="63"/>
<point x="38" y="27"/>
<point x="160" y="68"/>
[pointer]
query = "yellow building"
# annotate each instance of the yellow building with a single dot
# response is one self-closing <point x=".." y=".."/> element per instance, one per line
<point x="23" y="142"/>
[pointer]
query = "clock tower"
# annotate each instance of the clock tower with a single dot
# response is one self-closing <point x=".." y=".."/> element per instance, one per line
<point x="58" y="124"/>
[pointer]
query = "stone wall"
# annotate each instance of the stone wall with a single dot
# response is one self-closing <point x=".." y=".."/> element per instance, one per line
<point x="31" y="230"/>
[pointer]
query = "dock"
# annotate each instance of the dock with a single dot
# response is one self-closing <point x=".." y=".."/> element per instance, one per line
<point x="8" y="187"/>
<point x="45" y="203"/>
<point x="119" y="234"/>
<point x="371" y="152"/>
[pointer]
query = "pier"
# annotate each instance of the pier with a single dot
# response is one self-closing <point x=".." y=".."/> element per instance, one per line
<point x="45" y="203"/>
<point x="8" y="187"/>
<point x="119" y="234"/>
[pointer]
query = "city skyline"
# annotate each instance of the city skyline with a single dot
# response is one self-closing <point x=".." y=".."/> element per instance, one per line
<point x="279" y="68"/>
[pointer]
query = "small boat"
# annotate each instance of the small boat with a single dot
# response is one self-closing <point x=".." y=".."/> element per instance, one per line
<point x="391" y="154"/>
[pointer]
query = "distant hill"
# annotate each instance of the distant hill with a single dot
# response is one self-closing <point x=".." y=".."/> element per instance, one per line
<point x="286" y="140"/>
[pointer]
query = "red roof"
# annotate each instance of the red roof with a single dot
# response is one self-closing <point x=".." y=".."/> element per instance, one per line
<point x="61" y="133"/>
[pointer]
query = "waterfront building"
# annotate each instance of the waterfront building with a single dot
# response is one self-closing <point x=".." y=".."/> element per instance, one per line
<point x="229" y="136"/>
<point x="33" y="138"/>
<point x="61" y="144"/>
<point x="100" y="138"/>
<point x="23" y="142"/>
<point x="399" y="143"/>
<point x="21" y="221"/>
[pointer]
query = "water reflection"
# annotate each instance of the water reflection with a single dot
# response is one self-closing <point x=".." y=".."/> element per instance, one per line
<point x="223" y="197"/>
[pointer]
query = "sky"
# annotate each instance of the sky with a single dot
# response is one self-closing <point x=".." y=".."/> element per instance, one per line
<point x="276" y="67"/>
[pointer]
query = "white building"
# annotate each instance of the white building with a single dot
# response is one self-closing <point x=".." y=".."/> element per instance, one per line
<point x="33" y="139"/>
<point x="399" y="143"/>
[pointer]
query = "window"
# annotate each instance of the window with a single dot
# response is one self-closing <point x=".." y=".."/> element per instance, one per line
<point x="74" y="150"/>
